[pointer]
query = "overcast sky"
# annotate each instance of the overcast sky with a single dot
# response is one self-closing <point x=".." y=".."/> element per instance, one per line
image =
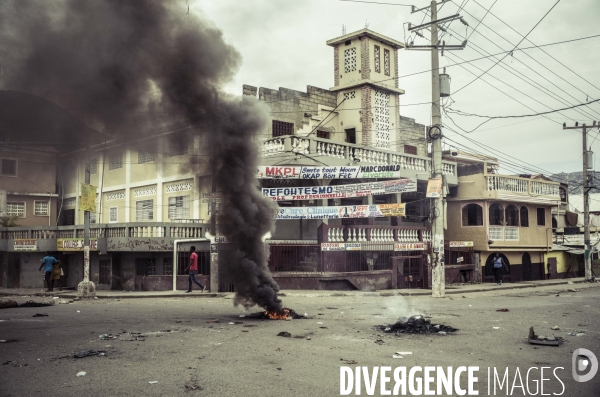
<point x="282" y="43"/>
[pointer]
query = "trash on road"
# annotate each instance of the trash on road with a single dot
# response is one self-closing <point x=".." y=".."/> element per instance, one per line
<point x="36" y="304"/>
<point x="543" y="340"/>
<point x="242" y="315"/>
<point x="319" y="323"/>
<point x="404" y="353"/>
<point x="80" y="374"/>
<point x="496" y="327"/>
<point x="416" y="325"/>
<point x="40" y="315"/>
<point x="153" y="382"/>
<point x="442" y="332"/>
<point x="6" y="303"/>
<point x="284" y="334"/>
<point x="555" y="327"/>
<point x="397" y="356"/>
<point x="571" y="290"/>
<point x="89" y="353"/>
<point x="213" y="321"/>
<point x="108" y="336"/>
<point x="502" y="310"/>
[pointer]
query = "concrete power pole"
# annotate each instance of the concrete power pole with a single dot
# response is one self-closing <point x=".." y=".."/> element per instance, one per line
<point x="589" y="276"/>
<point x="86" y="288"/>
<point x="438" y="273"/>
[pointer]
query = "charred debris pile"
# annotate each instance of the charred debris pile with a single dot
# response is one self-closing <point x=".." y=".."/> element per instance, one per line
<point x="416" y="325"/>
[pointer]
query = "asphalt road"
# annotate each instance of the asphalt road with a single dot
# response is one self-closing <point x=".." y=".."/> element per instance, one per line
<point x="185" y="353"/>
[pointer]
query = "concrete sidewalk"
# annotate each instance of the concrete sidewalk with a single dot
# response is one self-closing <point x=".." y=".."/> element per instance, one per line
<point x="450" y="290"/>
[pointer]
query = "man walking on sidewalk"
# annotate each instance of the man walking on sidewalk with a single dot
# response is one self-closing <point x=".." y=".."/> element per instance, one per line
<point x="499" y="264"/>
<point x="193" y="266"/>
<point x="48" y="262"/>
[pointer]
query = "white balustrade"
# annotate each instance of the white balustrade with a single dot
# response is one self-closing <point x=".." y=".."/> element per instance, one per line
<point x="543" y="188"/>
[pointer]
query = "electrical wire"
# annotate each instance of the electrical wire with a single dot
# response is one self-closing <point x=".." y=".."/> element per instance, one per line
<point x="516" y="46"/>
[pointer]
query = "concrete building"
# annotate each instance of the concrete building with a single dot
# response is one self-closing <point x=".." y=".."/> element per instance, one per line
<point x="508" y="214"/>
<point x="154" y="190"/>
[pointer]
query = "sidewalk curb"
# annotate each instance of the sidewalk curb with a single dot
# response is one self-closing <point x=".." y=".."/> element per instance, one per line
<point x="486" y="287"/>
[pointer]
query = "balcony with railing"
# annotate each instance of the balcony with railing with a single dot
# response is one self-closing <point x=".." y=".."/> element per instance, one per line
<point x="166" y="232"/>
<point x="508" y="188"/>
<point x="335" y="153"/>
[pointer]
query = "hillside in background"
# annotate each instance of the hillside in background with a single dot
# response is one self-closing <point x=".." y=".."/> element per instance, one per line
<point x="575" y="181"/>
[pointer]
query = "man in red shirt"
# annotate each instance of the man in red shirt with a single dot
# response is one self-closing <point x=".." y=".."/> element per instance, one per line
<point x="193" y="266"/>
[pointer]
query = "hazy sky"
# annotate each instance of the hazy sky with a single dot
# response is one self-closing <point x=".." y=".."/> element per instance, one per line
<point x="282" y="43"/>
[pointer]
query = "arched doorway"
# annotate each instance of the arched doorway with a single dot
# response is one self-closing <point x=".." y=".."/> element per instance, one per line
<point x="526" y="267"/>
<point x="489" y="266"/>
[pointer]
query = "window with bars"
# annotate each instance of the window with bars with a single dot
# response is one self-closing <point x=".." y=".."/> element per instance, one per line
<point x="324" y="134"/>
<point x="349" y="95"/>
<point x="40" y="208"/>
<point x="115" y="161"/>
<point x="146" y="154"/>
<point x="93" y="217"/>
<point x="282" y="128"/>
<point x="144" y="210"/>
<point x="350" y="60"/>
<point x="541" y="217"/>
<point x="9" y="167"/>
<point x="167" y="268"/>
<point x="377" y="59"/>
<point x="386" y="62"/>
<point x="179" y="207"/>
<point x="178" y="145"/>
<point x="113" y="214"/>
<point x="409" y="149"/>
<point x="496" y="214"/>
<point x="15" y="208"/>
<point x="104" y="272"/>
<point x="512" y="215"/>
<point x="524" y="216"/>
<point x="472" y="215"/>
<point x="94" y="166"/>
<point x="67" y="217"/>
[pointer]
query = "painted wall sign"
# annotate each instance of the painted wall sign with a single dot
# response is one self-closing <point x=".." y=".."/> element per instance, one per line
<point x="139" y="244"/>
<point x="340" y="247"/>
<point x="338" y="172"/>
<point x="409" y="246"/>
<point x="25" y="244"/>
<point x="337" y="212"/>
<point x="75" y="244"/>
<point x="456" y="244"/>
<point x="340" y="191"/>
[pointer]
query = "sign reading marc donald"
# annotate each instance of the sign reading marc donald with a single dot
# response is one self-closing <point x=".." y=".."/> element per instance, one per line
<point x="339" y="172"/>
<point x="409" y="246"/>
<point x="340" y="247"/>
<point x="348" y="211"/>
<point x="75" y="244"/>
<point x="25" y="244"/>
<point x="340" y="191"/>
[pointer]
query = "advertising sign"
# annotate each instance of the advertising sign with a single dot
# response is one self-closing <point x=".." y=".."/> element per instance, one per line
<point x="340" y="191"/>
<point x="337" y="212"/>
<point x="456" y="244"/>
<point x="25" y="244"/>
<point x="338" y="172"/>
<point x="75" y="244"/>
<point x="340" y="247"/>
<point x="88" y="198"/>
<point x="434" y="188"/>
<point x="409" y="247"/>
<point x="2" y="202"/>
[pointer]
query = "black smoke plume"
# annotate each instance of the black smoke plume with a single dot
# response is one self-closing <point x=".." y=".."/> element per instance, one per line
<point x="126" y="66"/>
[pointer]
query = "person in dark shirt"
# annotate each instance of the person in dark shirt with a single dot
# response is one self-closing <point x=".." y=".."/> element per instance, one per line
<point x="48" y="262"/>
<point x="193" y="266"/>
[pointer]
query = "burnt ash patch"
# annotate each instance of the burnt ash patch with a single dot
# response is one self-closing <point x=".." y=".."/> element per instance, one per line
<point x="416" y="325"/>
<point x="287" y="312"/>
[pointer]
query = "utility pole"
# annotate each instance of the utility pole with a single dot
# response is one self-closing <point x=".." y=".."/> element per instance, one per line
<point x="587" y="255"/>
<point x="86" y="288"/>
<point x="434" y="132"/>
